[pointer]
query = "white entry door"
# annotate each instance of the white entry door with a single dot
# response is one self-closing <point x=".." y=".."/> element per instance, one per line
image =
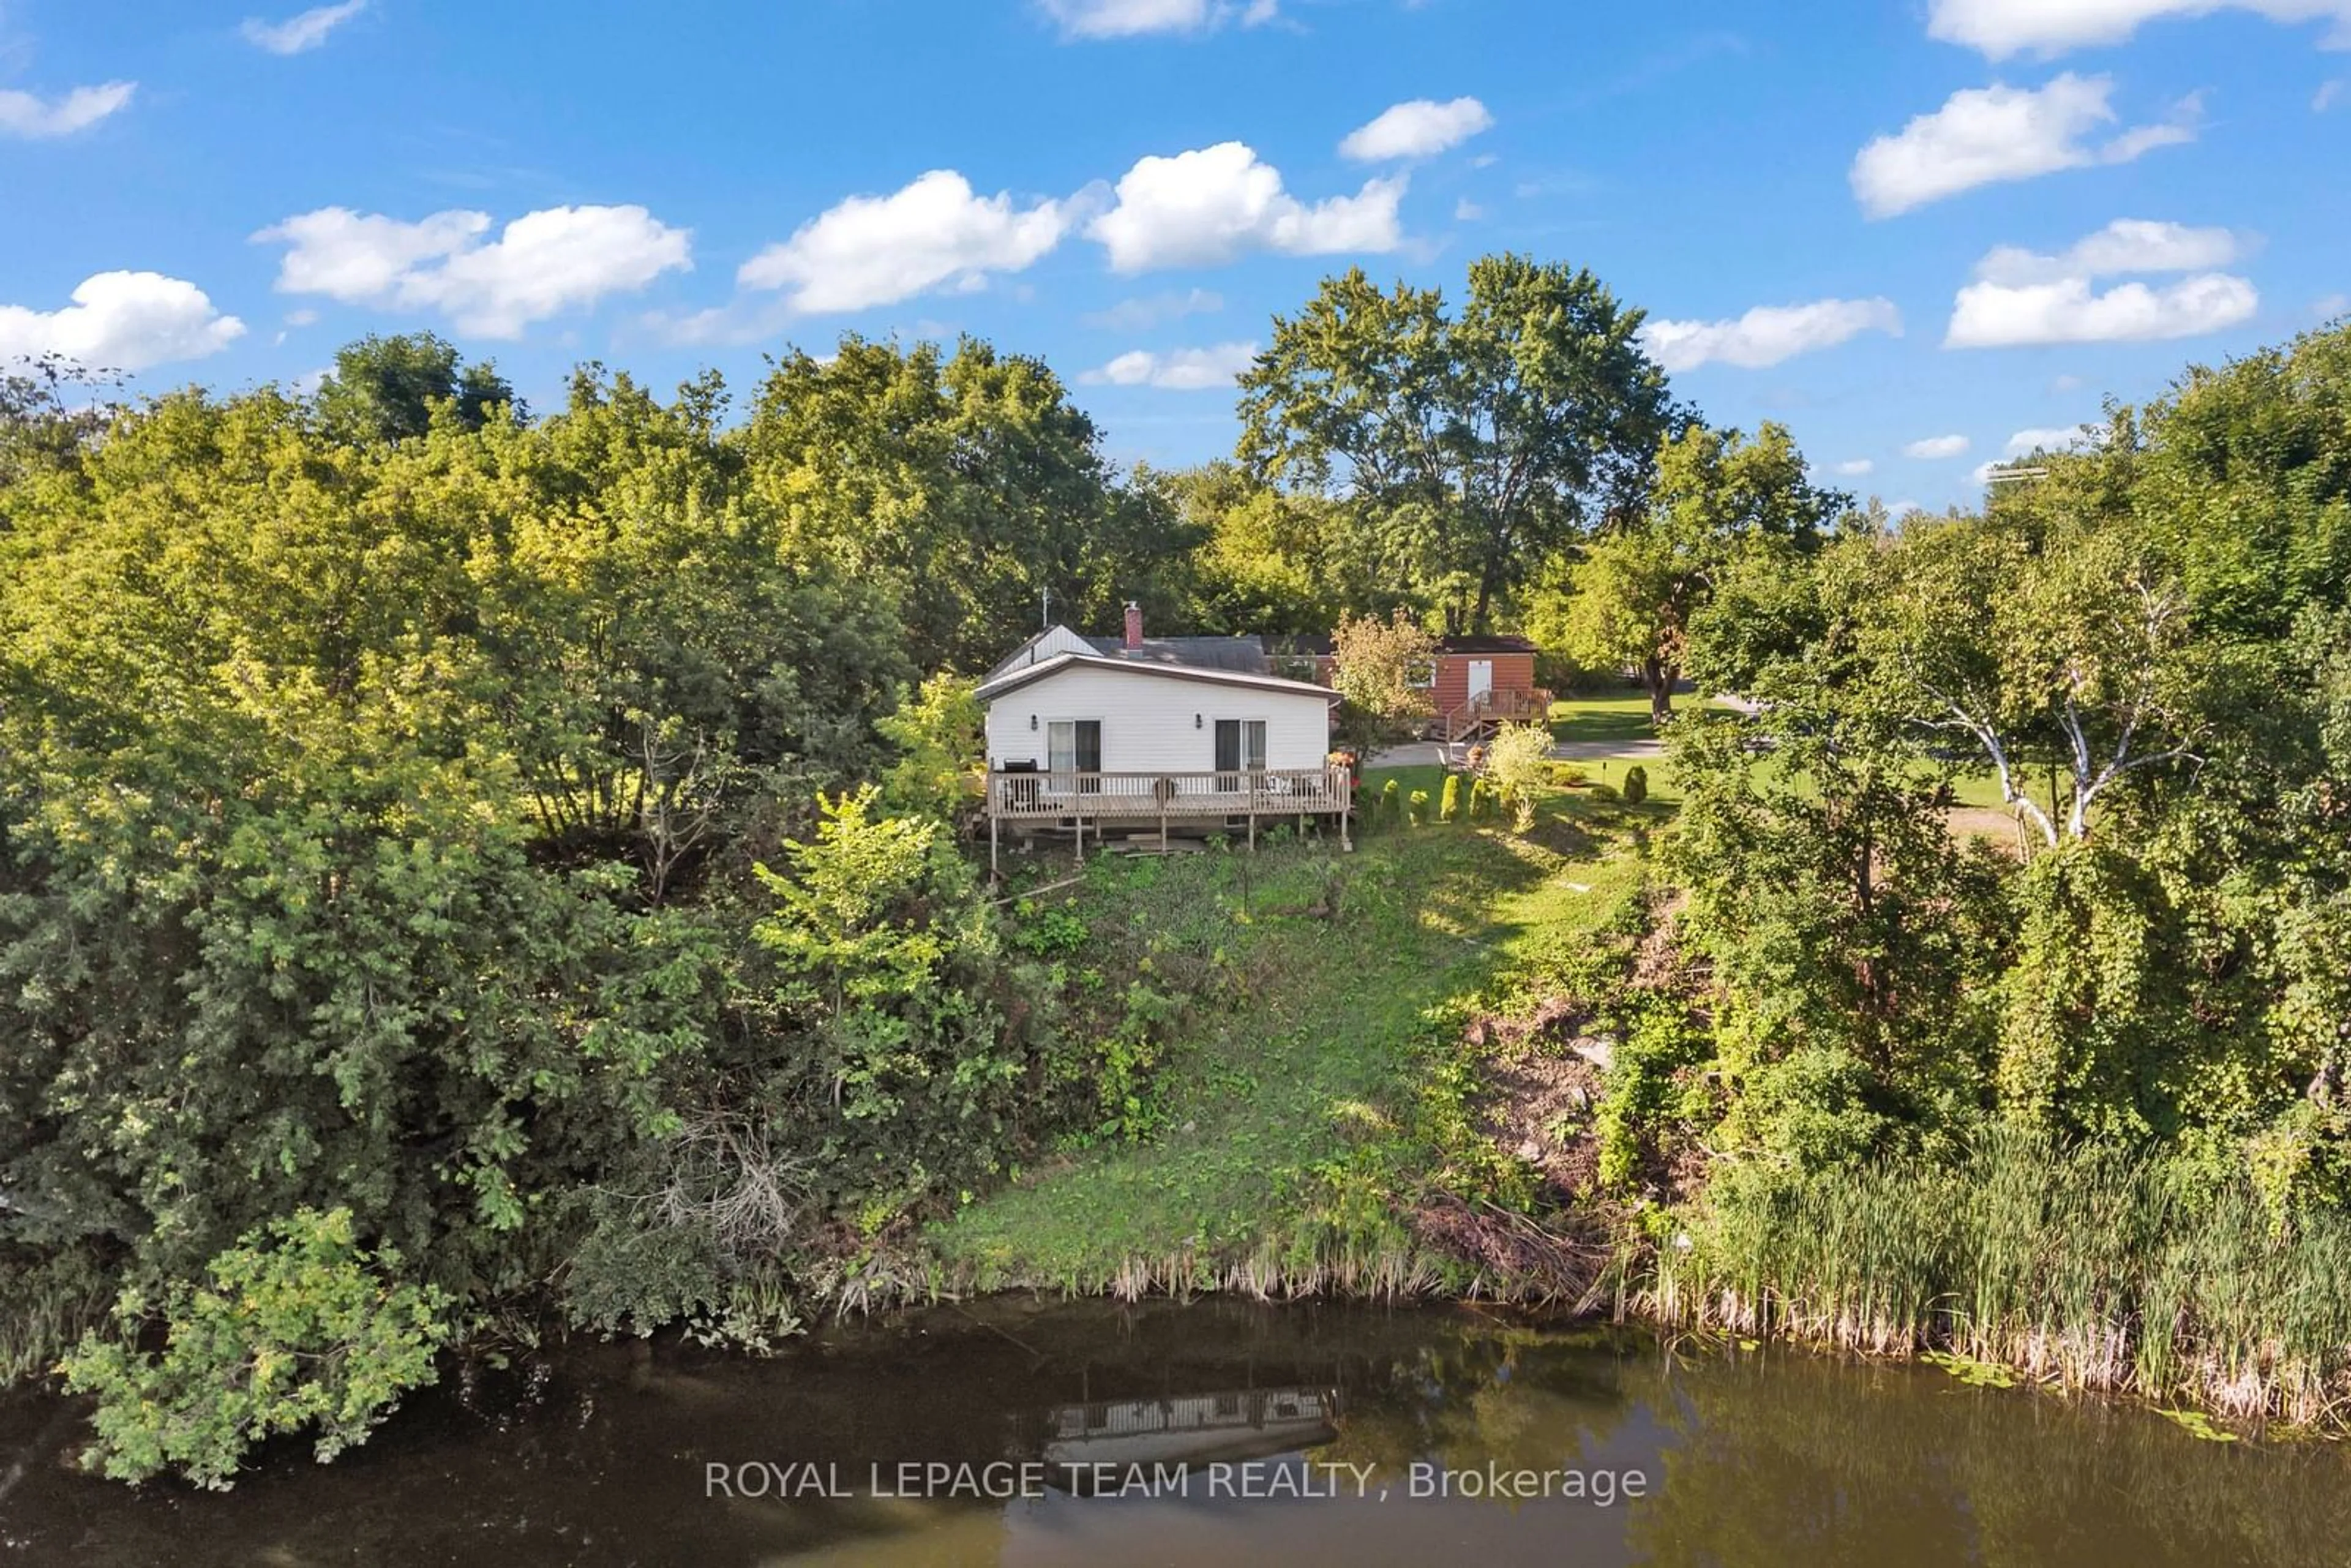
<point x="1481" y="681"/>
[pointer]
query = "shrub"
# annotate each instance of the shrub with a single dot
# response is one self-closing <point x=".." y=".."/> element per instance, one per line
<point x="1606" y="792"/>
<point x="1637" y="785"/>
<point x="1391" y="802"/>
<point x="1566" y="774"/>
<point x="938" y="732"/>
<point x="1645" y="1095"/>
<point x="1519" y="763"/>
<point x="1480" y="800"/>
<point x="1448" y="808"/>
<point x="1416" y="809"/>
<point x="297" y="1326"/>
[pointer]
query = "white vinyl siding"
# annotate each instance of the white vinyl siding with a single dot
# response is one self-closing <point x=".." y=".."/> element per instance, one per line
<point x="1153" y="722"/>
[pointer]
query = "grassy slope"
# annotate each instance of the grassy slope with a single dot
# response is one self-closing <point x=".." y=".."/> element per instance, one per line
<point x="1320" y="1053"/>
<point x="1323" y="1051"/>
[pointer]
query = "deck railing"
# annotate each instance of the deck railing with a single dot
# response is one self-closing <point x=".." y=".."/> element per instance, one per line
<point x="1149" y="797"/>
<point x="1482" y="713"/>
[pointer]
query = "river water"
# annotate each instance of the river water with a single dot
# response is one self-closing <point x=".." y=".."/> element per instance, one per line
<point x="1214" y="1433"/>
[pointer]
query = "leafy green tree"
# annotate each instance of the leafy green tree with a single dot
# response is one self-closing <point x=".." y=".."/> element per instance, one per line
<point x="1630" y="598"/>
<point x="1268" y="560"/>
<point x="968" y="487"/>
<point x="2245" y="483"/>
<point x="1381" y="670"/>
<point x="937" y="731"/>
<point x="50" y="409"/>
<point x="1485" y="439"/>
<point x="1852" y="940"/>
<point x="665" y="661"/>
<point x="297" y="1326"/>
<point x="385" y="389"/>
<point x="2075" y="649"/>
<point x="888" y="972"/>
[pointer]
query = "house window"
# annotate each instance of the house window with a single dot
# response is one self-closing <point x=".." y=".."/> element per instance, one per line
<point x="1241" y="746"/>
<point x="1420" y="675"/>
<point x="1073" y="745"/>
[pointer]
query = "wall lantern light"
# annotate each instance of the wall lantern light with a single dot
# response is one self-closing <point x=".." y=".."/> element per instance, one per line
<point x="1196" y="721"/>
<point x="1032" y="721"/>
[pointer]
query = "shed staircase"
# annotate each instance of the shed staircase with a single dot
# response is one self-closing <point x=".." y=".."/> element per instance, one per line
<point x="1477" y="720"/>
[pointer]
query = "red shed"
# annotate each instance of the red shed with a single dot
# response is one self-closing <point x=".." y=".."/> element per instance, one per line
<point x="1475" y="683"/>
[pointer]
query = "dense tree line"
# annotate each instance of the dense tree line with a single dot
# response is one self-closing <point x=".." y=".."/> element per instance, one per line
<point x="432" y="838"/>
<point x="456" y="858"/>
<point x="2145" y="653"/>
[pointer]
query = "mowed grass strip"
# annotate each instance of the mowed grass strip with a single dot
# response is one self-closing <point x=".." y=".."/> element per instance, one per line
<point x="1317" y="1051"/>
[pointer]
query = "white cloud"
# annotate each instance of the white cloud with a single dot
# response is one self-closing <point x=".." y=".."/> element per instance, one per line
<point x="1181" y="369"/>
<point x="1466" y="211"/>
<point x="541" y="265"/>
<point x="1898" y="511"/>
<point x="1209" y="205"/>
<point x="2126" y="245"/>
<point x="934" y="233"/>
<point x="2331" y="305"/>
<point x="1421" y="129"/>
<point x="2021" y="297"/>
<point x="1132" y="18"/>
<point x="2049" y="438"/>
<point x="1993" y="316"/>
<point x="1983" y="135"/>
<point x="298" y="34"/>
<point x="121" y="322"/>
<point x="1935" y="448"/>
<point x="36" y="119"/>
<point x="2066" y="383"/>
<point x="1768" y="334"/>
<point x="2329" y="95"/>
<point x="2002" y="27"/>
<point x="1138" y="315"/>
<point x="1858" y="468"/>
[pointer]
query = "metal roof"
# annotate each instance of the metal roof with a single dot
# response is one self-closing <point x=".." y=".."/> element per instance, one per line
<point x="1014" y="680"/>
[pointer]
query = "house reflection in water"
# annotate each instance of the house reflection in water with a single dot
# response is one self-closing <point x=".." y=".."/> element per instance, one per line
<point x="1240" y="1424"/>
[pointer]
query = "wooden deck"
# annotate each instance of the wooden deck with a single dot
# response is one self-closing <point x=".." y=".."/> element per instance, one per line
<point x="1084" y="801"/>
<point x="1479" y="718"/>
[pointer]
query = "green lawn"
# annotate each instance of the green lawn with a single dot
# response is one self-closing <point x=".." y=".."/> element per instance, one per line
<point x="1602" y="720"/>
<point x="1321" y="1050"/>
<point x="1623" y="721"/>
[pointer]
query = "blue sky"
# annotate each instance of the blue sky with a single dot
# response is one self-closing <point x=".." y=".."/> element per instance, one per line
<point x="2051" y="200"/>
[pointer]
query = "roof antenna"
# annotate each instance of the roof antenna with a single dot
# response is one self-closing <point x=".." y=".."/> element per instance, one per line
<point x="1045" y="610"/>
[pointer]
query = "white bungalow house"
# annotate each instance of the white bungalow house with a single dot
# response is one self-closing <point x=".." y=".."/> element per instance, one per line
<point x="1140" y="733"/>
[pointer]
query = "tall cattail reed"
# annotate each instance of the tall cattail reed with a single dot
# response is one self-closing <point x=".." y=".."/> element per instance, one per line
<point x="2091" y="1269"/>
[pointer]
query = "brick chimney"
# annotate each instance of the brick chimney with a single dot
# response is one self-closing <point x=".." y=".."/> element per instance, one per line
<point x="1134" y="627"/>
